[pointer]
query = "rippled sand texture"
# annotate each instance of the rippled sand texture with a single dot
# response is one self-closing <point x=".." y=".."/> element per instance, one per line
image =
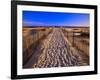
<point x="55" y="50"/>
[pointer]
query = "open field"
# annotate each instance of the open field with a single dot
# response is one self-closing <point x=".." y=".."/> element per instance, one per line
<point x="55" y="47"/>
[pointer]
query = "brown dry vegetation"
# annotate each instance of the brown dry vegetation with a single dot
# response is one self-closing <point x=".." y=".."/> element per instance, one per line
<point x="79" y="38"/>
<point x="31" y="38"/>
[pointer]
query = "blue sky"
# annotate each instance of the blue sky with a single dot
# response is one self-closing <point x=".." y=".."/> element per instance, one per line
<point x="36" y="18"/>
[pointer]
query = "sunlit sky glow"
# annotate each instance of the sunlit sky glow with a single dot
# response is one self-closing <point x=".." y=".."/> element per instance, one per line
<point x="36" y="18"/>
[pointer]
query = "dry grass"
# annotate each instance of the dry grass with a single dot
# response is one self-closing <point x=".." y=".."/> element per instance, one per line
<point x="79" y="38"/>
<point x="31" y="38"/>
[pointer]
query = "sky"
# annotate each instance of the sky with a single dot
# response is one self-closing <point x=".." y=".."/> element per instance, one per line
<point x="36" y="18"/>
